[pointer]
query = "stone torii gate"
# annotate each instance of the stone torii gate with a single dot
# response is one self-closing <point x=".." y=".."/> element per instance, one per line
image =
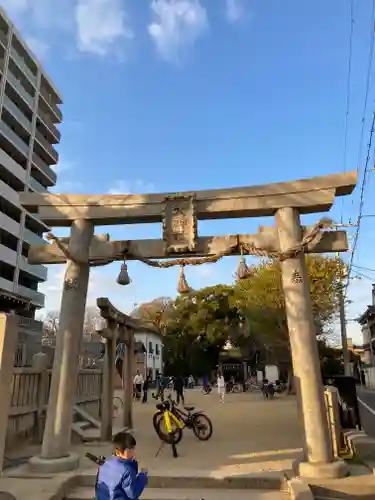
<point x="118" y="327"/>
<point x="179" y="213"/>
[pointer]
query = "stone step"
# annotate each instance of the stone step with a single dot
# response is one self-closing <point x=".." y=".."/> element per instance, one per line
<point x="87" y="493"/>
<point x="83" y="415"/>
<point x="330" y="498"/>
<point x="196" y="480"/>
<point x="343" y="488"/>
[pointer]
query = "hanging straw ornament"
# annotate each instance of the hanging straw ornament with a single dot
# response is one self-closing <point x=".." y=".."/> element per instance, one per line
<point x="183" y="286"/>
<point x="123" y="277"/>
<point x="242" y="269"/>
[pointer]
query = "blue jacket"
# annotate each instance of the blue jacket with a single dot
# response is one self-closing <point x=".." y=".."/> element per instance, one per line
<point x="118" y="479"/>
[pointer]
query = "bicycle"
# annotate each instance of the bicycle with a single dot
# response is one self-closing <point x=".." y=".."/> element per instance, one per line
<point x="235" y="388"/>
<point x="197" y="421"/>
<point x="117" y="406"/>
<point x="251" y="387"/>
<point x="206" y="389"/>
<point x="173" y="425"/>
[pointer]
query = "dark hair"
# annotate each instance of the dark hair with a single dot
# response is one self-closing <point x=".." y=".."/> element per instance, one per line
<point x="124" y="441"/>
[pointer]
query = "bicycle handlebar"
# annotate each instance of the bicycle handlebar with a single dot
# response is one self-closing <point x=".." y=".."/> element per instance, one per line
<point x="98" y="460"/>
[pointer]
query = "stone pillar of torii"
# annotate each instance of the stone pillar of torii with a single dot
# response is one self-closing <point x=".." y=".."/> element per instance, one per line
<point x="288" y="240"/>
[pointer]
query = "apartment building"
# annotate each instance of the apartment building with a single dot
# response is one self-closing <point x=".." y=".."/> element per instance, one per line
<point x="29" y="113"/>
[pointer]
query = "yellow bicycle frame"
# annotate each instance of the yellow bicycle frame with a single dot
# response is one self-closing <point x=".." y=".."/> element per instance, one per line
<point x="168" y="418"/>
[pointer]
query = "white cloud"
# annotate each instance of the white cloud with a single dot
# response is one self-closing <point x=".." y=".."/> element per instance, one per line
<point x="39" y="47"/>
<point x="40" y="14"/>
<point x="69" y="187"/>
<point x="65" y="183"/>
<point x="234" y="10"/>
<point x="100" y="23"/>
<point x="64" y="166"/>
<point x="131" y="187"/>
<point x="13" y="7"/>
<point x="102" y="284"/>
<point x="97" y="25"/>
<point x="176" y="26"/>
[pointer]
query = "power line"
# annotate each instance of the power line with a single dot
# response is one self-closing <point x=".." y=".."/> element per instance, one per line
<point x="364" y="276"/>
<point x="348" y="80"/>
<point x="368" y="79"/>
<point x="364" y="268"/>
<point x="361" y="200"/>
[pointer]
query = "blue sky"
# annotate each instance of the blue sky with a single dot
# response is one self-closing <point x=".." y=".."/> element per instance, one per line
<point x="173" y="95"/>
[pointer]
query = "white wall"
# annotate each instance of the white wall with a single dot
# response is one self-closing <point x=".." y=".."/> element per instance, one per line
<point x="154" y="356"/>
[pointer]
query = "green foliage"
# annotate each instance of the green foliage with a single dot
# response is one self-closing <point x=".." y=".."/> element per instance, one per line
<point x="261" y="298"/>
<point x="196" y="326"/>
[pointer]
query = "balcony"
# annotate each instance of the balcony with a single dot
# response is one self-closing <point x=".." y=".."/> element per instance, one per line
<point x="9" y="193"/>
<point x="18" y="59"/>
<point x="51" y="103"/>
<point x="36" y="298"/>
<point x="47" y="147"/>
<point x="22" y="92"/>
<point x="6" y="285"/>
<point x="36" y="186"/>
<point x="47" y="123"/>
<point x="31" y="238"/>
<point x="38" y="271"/>
<point x="3" y="39"/>
<point x="14" y="139"/>
<point x="8" y="256"/>
<point x="36" y="223"/>
<point x="10" y="225"/>
<point x="30" y="324"/>
<point x="45" y="169"/>
<point x="12" y="166"/>
<point x="17" y="114"/>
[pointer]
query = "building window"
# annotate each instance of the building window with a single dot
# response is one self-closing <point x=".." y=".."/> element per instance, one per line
<point x="150" y="348"/>
<point x="157" y="350"/>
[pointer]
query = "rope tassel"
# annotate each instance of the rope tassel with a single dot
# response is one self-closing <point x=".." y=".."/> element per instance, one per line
<point x="242" y="269"/>
<point x="123" y="277"/>
<point x="183" y="286"/>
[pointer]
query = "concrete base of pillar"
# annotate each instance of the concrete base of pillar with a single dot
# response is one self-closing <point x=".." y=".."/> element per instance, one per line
<point x="331" y="470"/>
<point x="54" y="465"/>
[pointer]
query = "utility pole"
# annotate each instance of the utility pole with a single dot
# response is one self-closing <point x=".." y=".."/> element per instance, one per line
<point x="344" y="336"/>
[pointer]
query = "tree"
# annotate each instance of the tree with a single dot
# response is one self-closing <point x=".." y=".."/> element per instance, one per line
<point x="261" y="299"/>
<point x="50" y="324"/>
<point x="155" y="312"/>
<point x="197" y="326"/>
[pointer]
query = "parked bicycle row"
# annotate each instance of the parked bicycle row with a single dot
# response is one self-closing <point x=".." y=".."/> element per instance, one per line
<point x="267" y="388"/>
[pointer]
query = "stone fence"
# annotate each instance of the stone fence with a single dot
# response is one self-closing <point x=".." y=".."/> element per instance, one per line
<point x="30" y="392"/>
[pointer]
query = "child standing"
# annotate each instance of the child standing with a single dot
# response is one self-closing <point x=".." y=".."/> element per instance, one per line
<point x="221" y="386"/>
<point x="118" y="477"/>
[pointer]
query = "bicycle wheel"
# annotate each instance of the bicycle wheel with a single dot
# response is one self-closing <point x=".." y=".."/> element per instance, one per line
<point x="202" y="427"/>
<point x="156" y="422"/>
<point x="117" y="406"/>
<point x="174" y="437"/>
<point x="237" y="388"/>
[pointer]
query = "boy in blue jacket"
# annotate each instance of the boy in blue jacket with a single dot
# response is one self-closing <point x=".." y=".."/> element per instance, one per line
<point x="118" y="477"/>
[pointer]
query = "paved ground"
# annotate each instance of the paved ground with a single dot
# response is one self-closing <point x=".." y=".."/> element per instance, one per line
<point x="250" y="435"/>
<point x="366" y="398"/>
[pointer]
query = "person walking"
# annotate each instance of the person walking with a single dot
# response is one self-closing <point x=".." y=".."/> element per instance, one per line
<point x="221" y="387"/>
<point x="145" y="390"/>
<point x="138" y="382"/>
<point x="179" y="388"/>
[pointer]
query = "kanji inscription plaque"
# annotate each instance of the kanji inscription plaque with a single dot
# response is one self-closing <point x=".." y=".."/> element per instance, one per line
<point x="180" y="224"/>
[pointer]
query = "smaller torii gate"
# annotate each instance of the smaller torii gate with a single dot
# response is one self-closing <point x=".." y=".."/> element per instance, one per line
<point x="119" y="328"/>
